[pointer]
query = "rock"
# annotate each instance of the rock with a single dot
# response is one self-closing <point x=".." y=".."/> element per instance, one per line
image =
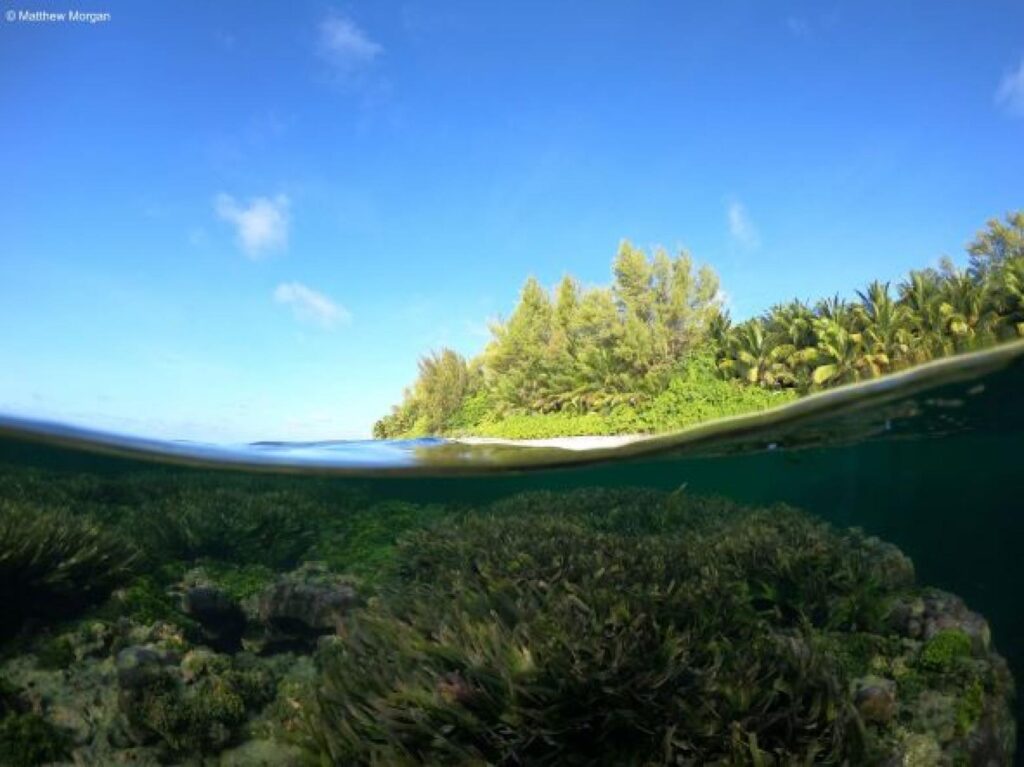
<point x="137" y="666"/>
<point x="921" y="751"/>
<point x="199" y="662"/>
<point x="95" y="639"/>
<point x="262" y="753"/>
<point x="220" y="616"/>
<point x="895" y="568"/>
<point x="305" y="604"/>
<point x="945" y="611"/>
<point x="141" y="669"/>
<point x="906" y="617"/>
<point x="875" y="699"/>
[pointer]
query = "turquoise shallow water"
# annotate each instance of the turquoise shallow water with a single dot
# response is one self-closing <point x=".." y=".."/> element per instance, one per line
<point x="929" y="461"/>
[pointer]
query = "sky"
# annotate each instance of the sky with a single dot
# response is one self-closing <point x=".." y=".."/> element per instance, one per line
<point x="237" y="221"/>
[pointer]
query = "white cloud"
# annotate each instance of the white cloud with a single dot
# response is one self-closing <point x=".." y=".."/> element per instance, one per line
<point x="261" y="226"/>
<point x="1010" y="94"/>
<point x="310" y="306"/>
<point x="741" y="228"/>
<point x="345" y="45"/>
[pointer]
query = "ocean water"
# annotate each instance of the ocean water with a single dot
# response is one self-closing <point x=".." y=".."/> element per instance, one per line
<point x="839" y="581"/>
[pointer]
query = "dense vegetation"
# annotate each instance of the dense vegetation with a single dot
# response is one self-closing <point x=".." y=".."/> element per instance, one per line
<point x="638" y="628"/>
<point x="629" y="626"/>
<point x="657" y="350"/>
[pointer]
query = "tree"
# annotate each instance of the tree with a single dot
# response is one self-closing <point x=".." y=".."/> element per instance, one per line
<point x="997" y="244"/>
<point x="1006" y="296"/>
<point x="921" y="294"/>
<point x="842" y="355"/>
<point x="884" y="324"/>
<point x="753" y="357"/>
<point x="612" y="351"/>
<point x="442" y="386"/>
<point x="516" y="354"/>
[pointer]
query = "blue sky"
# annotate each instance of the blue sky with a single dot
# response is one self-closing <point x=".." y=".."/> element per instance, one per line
<point x="233" y="221"/>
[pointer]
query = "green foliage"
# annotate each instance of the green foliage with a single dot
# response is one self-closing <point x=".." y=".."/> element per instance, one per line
<point x="239" y="581"/>
<point x="620" y="359"/>
<point x="27" y="740"/>
<point x="147" y="600"/>
<point x="627" y="628"/>
<point x="943" y="650"/>
<point x="437" y="397"/>
<point x="361" y="542"/>
<point x="53" y="561"/>
<point x="474" y="410"/>
<point x="694" y="394"/>
<point x="937" y="312"/>
<point x="970" y="707"/>
<point x="579" y="352"/>
<point x="235" y="523"/>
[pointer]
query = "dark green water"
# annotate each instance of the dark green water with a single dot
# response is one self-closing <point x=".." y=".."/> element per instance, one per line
<point x="931" y="463"/>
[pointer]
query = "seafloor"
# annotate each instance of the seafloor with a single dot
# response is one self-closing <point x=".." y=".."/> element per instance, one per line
<point x="220" y="619"/>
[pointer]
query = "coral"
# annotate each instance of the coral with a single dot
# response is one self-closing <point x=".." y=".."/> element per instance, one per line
<point x="305" y="604"/>
<point x="220" y="616"/>
<point x="27" y="740"/>
<point x="199" y="711"/>
<point x="941" y="652"/>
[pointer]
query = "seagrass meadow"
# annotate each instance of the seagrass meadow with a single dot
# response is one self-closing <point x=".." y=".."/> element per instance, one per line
<point x="836" y="581"/>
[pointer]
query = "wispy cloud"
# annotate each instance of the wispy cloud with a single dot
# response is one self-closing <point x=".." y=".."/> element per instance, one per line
<point x="741" y="228"/>
<point x="309" y="305"/>
<point x="1010" y="94"/>
<point x="798" y="25"/>
<point x="261" y="226"/>
<point x="816" y="21"/>
<point x="344" y="45"/>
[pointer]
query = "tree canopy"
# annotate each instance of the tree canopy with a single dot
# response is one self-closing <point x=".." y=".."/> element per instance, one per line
<point x="637" y="355"/>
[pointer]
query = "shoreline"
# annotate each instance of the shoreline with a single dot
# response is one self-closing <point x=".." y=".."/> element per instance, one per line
<point x="601" y="442"/>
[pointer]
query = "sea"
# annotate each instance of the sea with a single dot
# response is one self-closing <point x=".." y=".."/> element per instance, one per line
<point x="836" y="581"/>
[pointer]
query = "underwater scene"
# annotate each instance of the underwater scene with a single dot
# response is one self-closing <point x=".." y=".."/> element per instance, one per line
<point x="836" y="581"/>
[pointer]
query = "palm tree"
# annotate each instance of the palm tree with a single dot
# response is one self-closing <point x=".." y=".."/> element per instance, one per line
<point x="965" y="312"/>
<point x="843" y="357"/>
<point x="791" y="327"/>
<point x="837" y="310"/>
<point x="1005" y="290"/>
<point x="921" y="294"/>
<point x="883" y="324"/>
<point x="753" y="357"/>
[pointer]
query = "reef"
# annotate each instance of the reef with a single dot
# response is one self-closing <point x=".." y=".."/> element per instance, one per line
<point x="587" y="627"/>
